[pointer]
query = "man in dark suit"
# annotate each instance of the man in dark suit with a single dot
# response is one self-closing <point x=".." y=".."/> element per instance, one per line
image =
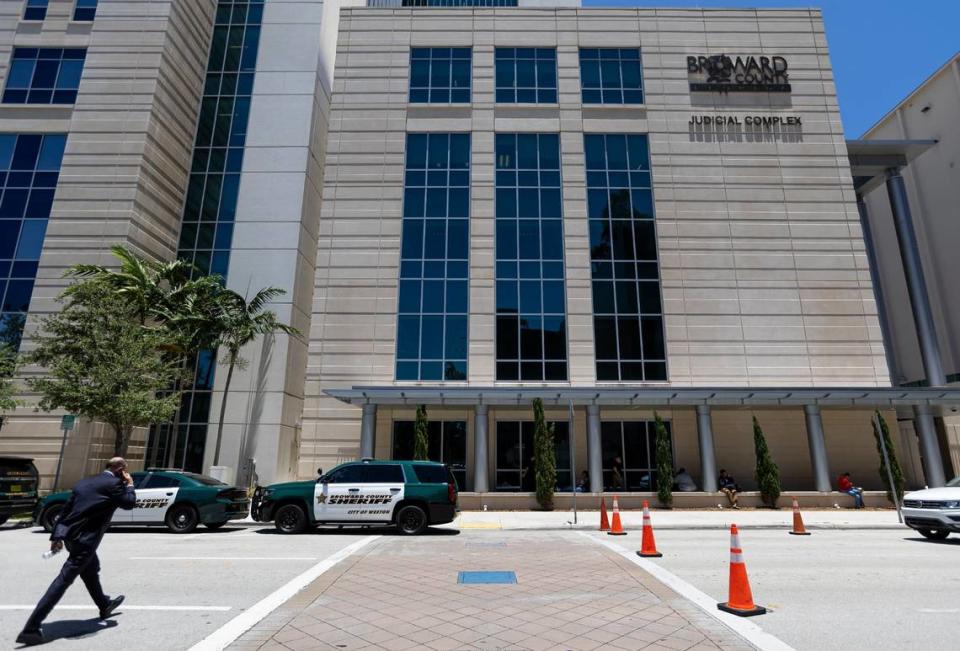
<point x="83" y="521"/>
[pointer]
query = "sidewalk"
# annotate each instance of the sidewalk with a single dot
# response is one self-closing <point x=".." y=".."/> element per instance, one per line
<point x="674" y="519"/>
<point x="700" y="519"/>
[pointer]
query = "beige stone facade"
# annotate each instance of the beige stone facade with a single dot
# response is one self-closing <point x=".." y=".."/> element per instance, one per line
<point x="124" y="171"/>
<point x="764" y="277"/>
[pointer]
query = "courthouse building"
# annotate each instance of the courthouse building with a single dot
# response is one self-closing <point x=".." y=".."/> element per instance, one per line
<point x="470" y="204"/>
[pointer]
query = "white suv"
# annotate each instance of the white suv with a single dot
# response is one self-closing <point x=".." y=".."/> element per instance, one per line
<point x="934" y="512"/>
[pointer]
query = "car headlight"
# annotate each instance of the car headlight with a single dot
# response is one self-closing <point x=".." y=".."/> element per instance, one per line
<point x="267" y="492"/>
<point x="955" y="504"/>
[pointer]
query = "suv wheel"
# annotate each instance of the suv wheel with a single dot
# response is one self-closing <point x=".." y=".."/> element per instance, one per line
<point x="49" y="517"/>
<point x="411" y="520"/>
<point x="934" y="534"/>
<point x="290" y="518"/>
<point x="182" y="518"/>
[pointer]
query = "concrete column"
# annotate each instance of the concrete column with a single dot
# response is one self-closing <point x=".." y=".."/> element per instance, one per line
<point x="929" y="448"/>
<point x="916" y="284"/>
<point x="594" y="449"/>
<point x="818" y="448"/>
<point x="708" y="459"/>
<point x="368" y="431"/>
<point x="481" y="473"/>
<point x="878" y="291"/>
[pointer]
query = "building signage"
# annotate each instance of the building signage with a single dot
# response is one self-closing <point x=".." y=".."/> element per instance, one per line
<point x="768" y="121"/>
<point x="742" y="74"/>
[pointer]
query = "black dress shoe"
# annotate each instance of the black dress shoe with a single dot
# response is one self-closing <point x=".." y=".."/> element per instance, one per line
<point x="111" y="606"/>
<point x="31" y="638"/>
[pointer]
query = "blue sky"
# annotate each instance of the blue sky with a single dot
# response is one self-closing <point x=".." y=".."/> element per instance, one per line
<point x="881" y="49"/>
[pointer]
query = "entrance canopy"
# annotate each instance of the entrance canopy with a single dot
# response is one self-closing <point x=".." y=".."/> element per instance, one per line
<point x="647" y="396"/>
<point x="870" y="159"/>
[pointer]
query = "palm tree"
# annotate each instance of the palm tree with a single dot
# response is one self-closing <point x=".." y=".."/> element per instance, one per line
<point x="241" y="322"/>
<point x="170" y="295"/>
<point x="147" y="284"/>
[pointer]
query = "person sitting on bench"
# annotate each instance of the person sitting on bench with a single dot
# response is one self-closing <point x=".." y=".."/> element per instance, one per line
<point x="846" y="486"/>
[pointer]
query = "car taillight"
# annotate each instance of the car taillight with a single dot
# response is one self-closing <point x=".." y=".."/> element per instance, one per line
<point x="452" y="493"/>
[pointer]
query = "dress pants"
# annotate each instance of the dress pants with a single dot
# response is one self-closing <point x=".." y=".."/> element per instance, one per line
<point x="82" y="562"/>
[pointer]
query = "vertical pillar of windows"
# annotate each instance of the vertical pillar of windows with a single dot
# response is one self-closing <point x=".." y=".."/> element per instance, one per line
<point x="29" y="169"/>
<point x="627" y="310"/>
<point x="531" y="328"/>
<point x="211" y="203"/>
<point x="432" y="306"/>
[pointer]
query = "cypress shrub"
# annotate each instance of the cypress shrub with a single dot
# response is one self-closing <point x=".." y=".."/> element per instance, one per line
<point x="895" y="469"/>
<point x="767" y="473"/>
<point x="664" y="463"/>
<point x="421" y="442"/>
<point x="544" y="457"/>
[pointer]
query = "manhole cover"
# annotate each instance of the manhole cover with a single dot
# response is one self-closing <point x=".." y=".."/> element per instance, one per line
<point x="486" y="577"/>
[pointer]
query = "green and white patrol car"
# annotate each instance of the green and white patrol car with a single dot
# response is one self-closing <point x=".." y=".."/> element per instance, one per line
<point x="180" y="500"/>
<point x="409" y="494"/>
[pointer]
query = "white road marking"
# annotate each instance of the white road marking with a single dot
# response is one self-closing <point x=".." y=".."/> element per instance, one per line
<point x="219" y="609"/>
<point x="223" y="558"/>
<point x="745" y="628"/>
<point x="240" y="624"/>
<point x="939" y="611"/>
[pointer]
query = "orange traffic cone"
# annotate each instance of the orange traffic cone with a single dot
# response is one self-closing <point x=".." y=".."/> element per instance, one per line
<point x="604" y="523"/>
<point x="798" y="528"/>
<point x="617" y="525"/>
<point x="740" y="599"/>
<point x="648" y="546"/>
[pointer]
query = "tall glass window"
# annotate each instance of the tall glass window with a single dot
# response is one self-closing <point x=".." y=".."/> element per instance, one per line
<point x="629" y="455"/>
<point x="433" y="296"/>
<point x="85" y="10"/>
<point x="44" y="75"/>
<point x="440" y="75"/>
<point x="611" y="76"/>
<point x="526" y="75"/>
<point x="206" y="232"/>
<point x="627" y="311"/>
<point x="35" y="10"/>
<point x="530" y="296"/>
<point x="29" y="169"/>
<point x="446" y="443"/>
<point x="515" y="471"/>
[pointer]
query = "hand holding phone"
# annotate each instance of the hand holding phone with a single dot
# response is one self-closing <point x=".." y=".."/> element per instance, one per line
<point x="127" y="479"/>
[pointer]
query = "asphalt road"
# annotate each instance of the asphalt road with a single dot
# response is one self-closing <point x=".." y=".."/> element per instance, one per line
<point x="836" y="589"/>
<point x="179" y="588"/>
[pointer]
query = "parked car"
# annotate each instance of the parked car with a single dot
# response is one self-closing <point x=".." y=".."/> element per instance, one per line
<point x="934" y="512"/>
<point x="19" y="481"/>
<point x="409" y="494"/>
<point x="179" y="500"/>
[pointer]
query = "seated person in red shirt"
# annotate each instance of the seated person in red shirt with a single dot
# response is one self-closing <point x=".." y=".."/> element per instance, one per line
<point x="846" y="486"/>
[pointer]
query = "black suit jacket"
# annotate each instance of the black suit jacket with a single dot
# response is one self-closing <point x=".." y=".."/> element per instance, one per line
<point x="87" y="513"/>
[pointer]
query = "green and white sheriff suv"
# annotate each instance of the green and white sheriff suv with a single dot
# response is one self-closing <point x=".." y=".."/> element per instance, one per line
<point x="408" y="494"/>
<point x="180" y="500"/>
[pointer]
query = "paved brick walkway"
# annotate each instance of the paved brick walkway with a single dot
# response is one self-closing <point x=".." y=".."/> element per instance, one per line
<point x="402" y="593"/>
